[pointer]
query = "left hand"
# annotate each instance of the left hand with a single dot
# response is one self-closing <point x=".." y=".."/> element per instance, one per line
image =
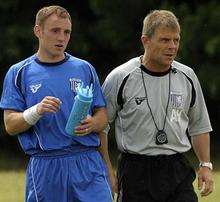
<point x="87" y="126"/>
<point x="205" y="181"/>
<point x="114" y="181"/>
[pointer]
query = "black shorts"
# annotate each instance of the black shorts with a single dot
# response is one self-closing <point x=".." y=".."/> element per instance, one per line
<point x="163" y="178"/>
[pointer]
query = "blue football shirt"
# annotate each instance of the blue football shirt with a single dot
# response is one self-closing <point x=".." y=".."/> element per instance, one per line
<point x="29" y="81"/>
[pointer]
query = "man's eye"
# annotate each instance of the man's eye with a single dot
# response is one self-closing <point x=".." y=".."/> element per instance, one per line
<point x="67" y="32"/>
<point x="55" y="30"/>
<point x="165" y="40"/>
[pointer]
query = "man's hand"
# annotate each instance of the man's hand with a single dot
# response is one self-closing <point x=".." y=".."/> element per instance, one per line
<point x="48" y="104"/>
<point x="113" y="181"/>
<point x="205" y="181"/>
<point x="86" y="126"/>
<point x="95" y="123"/>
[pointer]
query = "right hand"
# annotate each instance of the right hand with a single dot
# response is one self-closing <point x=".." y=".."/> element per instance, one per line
<point x="205" y="181"/>
<point x="49" y="104"/>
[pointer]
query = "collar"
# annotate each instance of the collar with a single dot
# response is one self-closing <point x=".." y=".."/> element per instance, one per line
<point x="52" y="63"/>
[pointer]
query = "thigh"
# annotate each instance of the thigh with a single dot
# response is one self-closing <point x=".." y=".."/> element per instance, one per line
<point x="132" y="177"/>
<point x="89" y="179"/>
<point x="185" y="190"/>
<point x="46" y="181"/>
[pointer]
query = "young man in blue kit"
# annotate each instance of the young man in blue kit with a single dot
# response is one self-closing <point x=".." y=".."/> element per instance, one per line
<point x="37" y="98"/>
<point x="155" y="102"/>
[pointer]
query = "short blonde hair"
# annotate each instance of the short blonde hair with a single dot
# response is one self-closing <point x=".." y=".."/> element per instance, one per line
<point x="45" y="12"/>
<point x="157" y="18"/>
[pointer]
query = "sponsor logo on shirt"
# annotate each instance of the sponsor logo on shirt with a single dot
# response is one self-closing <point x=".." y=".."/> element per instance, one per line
<point x="34" y="88"/>
<point x="139" y="100"/>
<point x="74" y="82"/>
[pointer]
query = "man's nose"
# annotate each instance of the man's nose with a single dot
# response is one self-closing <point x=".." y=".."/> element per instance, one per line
<point x="172" y="44"/>
<point x="61" y="36"/>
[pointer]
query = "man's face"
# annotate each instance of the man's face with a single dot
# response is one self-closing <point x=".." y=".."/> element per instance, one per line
<point x="162" y="47"/>
<point x="54" y="36"/>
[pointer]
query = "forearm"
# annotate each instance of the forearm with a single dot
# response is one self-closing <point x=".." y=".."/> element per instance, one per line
<point x="100" y="119"/>
<point x="201" y="146"/>
<point x="14" y="122"/>
<point x="103" y="149"/>
<point x="17" y="122"/>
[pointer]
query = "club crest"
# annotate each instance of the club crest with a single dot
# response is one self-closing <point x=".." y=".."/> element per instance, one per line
<point x="74" y="82"/>
<point x="176" y="100"/>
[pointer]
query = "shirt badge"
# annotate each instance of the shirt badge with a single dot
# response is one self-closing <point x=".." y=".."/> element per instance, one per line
<point x="74" y="82"/>
<point x="176" y="100"/>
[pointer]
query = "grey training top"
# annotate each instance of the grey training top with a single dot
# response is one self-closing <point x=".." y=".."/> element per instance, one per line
<point x="127" y="106"/>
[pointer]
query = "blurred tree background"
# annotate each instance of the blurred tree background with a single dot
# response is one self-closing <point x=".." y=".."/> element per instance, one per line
<point x="107" y="34"/>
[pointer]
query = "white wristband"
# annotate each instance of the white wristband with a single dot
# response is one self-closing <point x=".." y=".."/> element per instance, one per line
<point x="31" y="115"/>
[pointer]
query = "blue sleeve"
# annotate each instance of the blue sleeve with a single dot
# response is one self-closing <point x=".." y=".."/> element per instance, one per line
<point x="12" y="97"/>
<point x="98" y="97"/>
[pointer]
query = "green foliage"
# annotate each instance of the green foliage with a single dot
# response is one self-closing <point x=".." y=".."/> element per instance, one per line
<point x="200" y="34"/>
<point x="107" y="33"/>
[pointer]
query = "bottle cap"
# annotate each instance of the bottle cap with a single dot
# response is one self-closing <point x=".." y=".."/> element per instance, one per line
<point x="85" y="93"/>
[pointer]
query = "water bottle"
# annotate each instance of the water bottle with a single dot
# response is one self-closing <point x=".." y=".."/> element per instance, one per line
<point x="80" y="108"/>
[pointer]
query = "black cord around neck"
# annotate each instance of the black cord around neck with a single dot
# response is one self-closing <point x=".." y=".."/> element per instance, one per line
<point x="168" y="100"/>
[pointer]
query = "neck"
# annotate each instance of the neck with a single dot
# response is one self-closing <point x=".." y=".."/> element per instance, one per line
<point x="153" y="66"/>
<point x="49" y="58"/>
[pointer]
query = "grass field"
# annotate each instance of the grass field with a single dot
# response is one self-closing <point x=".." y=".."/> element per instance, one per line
<point x="12" y="177"/>
<point x="12" y="187"/>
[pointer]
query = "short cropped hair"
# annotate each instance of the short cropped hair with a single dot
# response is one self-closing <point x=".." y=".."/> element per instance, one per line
<point x="157" y="18"/>
<point x="45" y="12"/>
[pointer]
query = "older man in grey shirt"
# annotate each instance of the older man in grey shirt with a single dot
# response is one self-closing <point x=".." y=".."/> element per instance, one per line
<point x="157" y="104"/>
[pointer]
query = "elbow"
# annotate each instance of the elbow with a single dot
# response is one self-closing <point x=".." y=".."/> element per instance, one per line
<point x="10" y="130"/>
<point x="13" y="122"/>
<point x="105" y="123"/>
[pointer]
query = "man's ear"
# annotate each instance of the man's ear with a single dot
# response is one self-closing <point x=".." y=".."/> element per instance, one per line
<point x="145" y="40"/>
<point x="37" y="31"/>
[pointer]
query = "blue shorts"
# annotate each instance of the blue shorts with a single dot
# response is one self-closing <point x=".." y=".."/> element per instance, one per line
<point x="76" y="177"/>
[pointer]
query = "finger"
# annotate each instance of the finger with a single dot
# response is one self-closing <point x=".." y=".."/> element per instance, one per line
<point x="208" y="188"/>
<point x="206" y="193"/>
<point x="204" y="189"/>
<point x="52" y="102"/>
<point x="57" y="100"/>
<point x="49" y="108"/>
<point x="82" y="127"/>
<point x="82" y="132"/>
<point x="88" y="119"/>
<point x="200" y="183"/>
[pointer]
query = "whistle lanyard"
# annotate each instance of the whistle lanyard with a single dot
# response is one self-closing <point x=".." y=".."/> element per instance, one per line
<point x="148" y="104"/>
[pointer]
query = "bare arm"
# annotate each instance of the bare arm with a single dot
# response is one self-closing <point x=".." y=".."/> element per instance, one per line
<point x="103" y="149"/>
<point x="201" y="146"/>
<point x="15" y="123"/>
<point x="100" y="119"/>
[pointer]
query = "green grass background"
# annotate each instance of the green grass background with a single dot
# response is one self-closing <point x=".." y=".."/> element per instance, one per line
<point x="12" y="179"/>
<point x="12" y="187"/>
